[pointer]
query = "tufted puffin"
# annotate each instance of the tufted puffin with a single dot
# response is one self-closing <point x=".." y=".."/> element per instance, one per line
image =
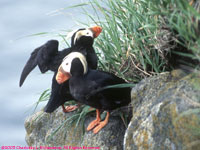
<point x="47" y="57"/>
<point x="87" y="87"/>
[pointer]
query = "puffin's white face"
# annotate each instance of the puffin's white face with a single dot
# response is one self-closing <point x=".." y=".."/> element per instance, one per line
<point x="67" y="61"/>
<point x="63" y="73"/>
<point x="85" y="32"/>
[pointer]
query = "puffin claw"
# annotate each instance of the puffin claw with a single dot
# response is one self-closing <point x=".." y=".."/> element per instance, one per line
<point x="93" y="124"/>
<point x="101" y="124"/>
<point x="99" y="127"/>
<point x="69" y="108"/>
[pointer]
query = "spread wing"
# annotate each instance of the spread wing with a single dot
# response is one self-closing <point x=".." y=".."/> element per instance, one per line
<point x="43" y="56"/>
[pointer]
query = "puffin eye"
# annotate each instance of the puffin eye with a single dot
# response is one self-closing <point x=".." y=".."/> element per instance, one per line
<point x="66" y="63"/>
<point x="87" y="33"/>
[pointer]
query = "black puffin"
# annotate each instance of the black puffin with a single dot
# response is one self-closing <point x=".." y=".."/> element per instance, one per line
<point x="47" y="57"/>
<point x="87" y="87"/>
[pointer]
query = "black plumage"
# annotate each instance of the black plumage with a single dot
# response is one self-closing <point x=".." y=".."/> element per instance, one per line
<point x="88" y="88"/>
<point x="84" y="88"/>
<point x="47" y="57"/>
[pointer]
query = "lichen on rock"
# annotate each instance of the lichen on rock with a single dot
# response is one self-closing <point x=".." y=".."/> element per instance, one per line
<point x="165" y="116"/>
<point x="164" y="113"/>
<point x="42" y="130"/>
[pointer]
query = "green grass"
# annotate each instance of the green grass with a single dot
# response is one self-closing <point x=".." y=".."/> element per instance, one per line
<point x="74" y="120"/>
<point x="131" y="30"/>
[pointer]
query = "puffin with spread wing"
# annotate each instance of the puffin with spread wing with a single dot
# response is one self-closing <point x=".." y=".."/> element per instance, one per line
<point x="47" y="57"/>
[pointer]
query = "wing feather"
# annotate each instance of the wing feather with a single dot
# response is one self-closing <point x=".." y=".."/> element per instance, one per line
<point x="43" y="57"/>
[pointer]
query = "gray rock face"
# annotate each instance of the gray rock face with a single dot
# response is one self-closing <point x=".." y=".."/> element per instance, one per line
<point x="166" y="113"/>
<point x="166" y="116"/>
<point x="41" y="126"/>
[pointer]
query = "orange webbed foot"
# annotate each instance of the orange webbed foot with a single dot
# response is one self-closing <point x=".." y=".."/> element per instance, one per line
<point x="94" y="122"/>
<point x="69" y="108"/>
<point x="101" y="124"/>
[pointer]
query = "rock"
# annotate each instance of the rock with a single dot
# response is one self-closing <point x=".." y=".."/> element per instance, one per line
<point x="166" y="113"/>
<point x="41" y="126"/>
<point x="166" y="116"/>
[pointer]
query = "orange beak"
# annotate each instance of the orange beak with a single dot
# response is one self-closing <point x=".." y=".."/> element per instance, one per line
<point x="96" y="30"/>
<point x="61" y="76"/>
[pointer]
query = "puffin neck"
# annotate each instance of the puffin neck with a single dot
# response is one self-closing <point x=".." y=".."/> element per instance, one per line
<point x="81" y="46"/>
<point x="83" y="41"/>
<point x="82" y="49"/>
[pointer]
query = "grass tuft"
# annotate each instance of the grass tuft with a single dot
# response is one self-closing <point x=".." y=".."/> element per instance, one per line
<point x="143" y="38"/>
